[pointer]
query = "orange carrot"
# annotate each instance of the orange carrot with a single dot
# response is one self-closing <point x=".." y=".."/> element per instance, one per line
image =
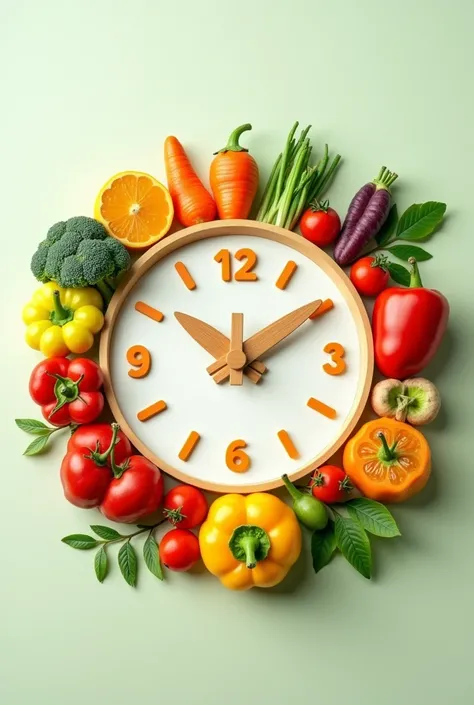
<point x="192" y="202"/>
<point x="234" y="178"/>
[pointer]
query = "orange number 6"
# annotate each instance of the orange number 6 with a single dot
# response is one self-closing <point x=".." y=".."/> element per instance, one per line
<point x="337" y="353"/>
<point x="237" y="459"/>
<point x="139" y="357"/>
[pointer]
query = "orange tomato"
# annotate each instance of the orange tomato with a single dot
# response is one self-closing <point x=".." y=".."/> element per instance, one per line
<point x="388" y="460"/>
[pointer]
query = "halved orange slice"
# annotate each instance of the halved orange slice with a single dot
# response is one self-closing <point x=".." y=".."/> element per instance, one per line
<point x="135" y="208"/>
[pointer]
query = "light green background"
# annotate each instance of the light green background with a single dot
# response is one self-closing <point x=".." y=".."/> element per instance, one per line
<point x="92" y="87"/>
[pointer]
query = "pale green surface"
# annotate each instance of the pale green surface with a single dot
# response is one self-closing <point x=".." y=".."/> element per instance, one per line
<point x="93" y="87"/>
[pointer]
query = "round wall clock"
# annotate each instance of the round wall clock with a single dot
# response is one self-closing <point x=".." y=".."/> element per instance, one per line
<point x="235" y="352"/>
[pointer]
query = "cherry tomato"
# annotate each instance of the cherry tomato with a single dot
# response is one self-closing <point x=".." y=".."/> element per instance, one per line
<point x="98" y="436"/>
<point x="320" y="224"/>
<point x="179" y="549"/>
<point x="369" y="275"/>
<point x="185" y="506"/>
<point x="331" y="484"/>
<point x="136" y="493"/>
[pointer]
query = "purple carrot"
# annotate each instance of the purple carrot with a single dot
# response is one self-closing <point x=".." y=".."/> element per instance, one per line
<point x="367" y="213"/>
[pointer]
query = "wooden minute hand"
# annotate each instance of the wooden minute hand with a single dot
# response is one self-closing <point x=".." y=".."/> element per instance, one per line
<point x="265" y="339"/>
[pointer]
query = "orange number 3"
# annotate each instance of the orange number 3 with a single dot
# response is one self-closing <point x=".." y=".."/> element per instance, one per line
<point x="337" y="353"/>
<point x="139" y="357"/>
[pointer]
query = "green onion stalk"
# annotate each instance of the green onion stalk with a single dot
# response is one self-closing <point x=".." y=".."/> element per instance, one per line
<point x="293" y="184"/>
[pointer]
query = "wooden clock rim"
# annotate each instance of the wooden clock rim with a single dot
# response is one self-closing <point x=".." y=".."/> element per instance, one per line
<point x="270" y="232"/>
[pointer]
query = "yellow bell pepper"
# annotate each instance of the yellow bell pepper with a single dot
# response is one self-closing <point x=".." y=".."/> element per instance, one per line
<point x="60" y="321"/>
<point x="250" y="541"/>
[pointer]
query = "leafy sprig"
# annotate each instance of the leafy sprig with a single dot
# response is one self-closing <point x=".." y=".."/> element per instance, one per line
<point x="127" y="556"/>
<point x="348" y="534"/>
<point x="42" y="432"/>
<point x="418" y="222"/>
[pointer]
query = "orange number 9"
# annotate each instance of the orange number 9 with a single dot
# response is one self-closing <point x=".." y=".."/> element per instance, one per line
<point x="237" y="459"/>
<point x="337" y="353"/>
<point x="139" y="357"/>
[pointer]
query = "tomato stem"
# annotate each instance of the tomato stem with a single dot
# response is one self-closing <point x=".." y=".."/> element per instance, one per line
<point x="174" y="515"/>
<point x="101" y="458"/>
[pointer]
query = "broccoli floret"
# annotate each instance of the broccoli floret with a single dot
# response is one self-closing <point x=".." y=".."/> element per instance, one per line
<point x="55" y="232"/>
<point x="38" y="262"/>
<point x="119" y="255"/>
<point x="96" y="260"/>
<point x="59" y="251"/>
<point x="79" y="252"/>
<point x="72" y="273"/>
<point x="88" y="228"/>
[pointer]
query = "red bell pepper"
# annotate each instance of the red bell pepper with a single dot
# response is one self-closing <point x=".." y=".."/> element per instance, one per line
<point x="91" y="477"/>
<point x="67" y="390"/>
<point x="408" y="325"/>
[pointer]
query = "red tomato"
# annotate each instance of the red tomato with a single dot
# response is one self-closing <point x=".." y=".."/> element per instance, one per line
<point x="320" y="224"/>
<point x="98" y="437"/>
<point x="331" y="484"/>
<point x="369" y="275"/>
<point x="179" y="549"/>
<point x="71" y="386"/>
<point x="84" y="481"/>
<point x="136" y="493"/>
<point x="185" y="506"/>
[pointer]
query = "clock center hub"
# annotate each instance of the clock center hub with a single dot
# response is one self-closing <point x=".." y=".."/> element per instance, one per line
<point x="236" y="359"/>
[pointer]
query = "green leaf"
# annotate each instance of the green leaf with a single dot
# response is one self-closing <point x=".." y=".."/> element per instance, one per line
<point x="354" y="544"/>
<point x="81" y="541"/>
<point x="399" y="274"/>
<point x="323" y="545"/>
<point x="105" y="532"/>
<point x="101" y="564"/>
<point x="406" y="251"/>
<point x="420" y="220"/>
<point x="373" y="516"/>
<point x="37" y="428"/>
<point x="388" y="228"/>
<point x="127" y="560"/>
<point x="38" y="445"/>
<point x="152" y="557"/>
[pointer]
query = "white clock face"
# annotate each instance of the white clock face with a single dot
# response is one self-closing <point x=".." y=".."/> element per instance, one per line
<point x="303" y="406"/>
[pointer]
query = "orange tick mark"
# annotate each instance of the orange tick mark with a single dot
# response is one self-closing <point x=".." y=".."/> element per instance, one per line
<point x="287" y="272"/>
<point x="151" y="411"/>
<point x="322" y="408"/>
<point x="149" y="311"/>
<point x="185" y="275"/>
<point x="288" y="444"/>
<point x="189" y="446"/>
<point x="326" y="306"/>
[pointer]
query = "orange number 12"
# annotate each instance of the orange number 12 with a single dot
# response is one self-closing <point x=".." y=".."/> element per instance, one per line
<point x="245" y="273"/>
